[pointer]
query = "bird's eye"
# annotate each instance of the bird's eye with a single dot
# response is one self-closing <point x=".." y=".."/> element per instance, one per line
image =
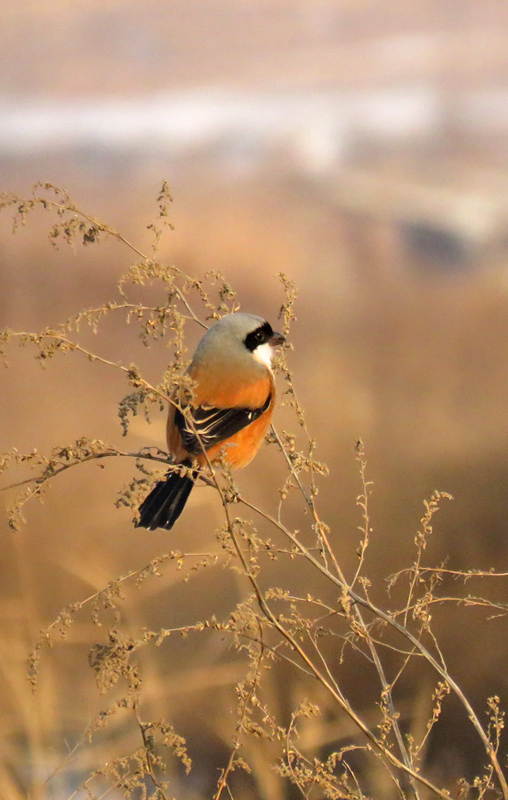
<point x="258" y="337"/>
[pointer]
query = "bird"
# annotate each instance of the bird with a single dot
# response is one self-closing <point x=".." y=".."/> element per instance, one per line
<point x="228" y="415"/>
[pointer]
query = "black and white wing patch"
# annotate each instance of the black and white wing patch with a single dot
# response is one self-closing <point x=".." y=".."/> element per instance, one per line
<point x="213" y="425"/>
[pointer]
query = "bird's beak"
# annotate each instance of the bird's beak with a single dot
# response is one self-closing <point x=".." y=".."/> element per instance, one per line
<point x="276" y="339"/>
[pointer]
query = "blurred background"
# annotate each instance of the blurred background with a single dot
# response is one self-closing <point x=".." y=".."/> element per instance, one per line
<point x="359" y="147"/>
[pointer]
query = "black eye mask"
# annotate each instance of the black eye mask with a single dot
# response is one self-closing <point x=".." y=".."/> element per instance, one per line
<point x="261" y="335"/>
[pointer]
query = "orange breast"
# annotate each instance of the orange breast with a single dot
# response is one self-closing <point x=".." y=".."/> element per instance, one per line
<point x="241" y="448"/>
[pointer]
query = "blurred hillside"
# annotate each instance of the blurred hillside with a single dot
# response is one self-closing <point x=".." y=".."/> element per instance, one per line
<point x="362" y="149"/>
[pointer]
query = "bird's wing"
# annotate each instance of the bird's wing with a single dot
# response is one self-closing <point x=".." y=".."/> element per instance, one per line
<point x="210" y="425"/>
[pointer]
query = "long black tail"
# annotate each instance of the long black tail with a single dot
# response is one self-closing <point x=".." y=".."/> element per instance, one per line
<point x="166" y="501"/>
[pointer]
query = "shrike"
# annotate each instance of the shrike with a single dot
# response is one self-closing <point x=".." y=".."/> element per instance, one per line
<point x="232" y="405"/>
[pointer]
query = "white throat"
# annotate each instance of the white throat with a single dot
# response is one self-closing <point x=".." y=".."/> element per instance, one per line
<point x="264" y="354"/>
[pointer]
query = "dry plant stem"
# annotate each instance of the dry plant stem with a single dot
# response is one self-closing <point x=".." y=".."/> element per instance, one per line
<point x="337" y="695"/>
<point x="386" y="688"/>
<point x="106" y="229"/>
<point x="474" y="573"/>
<point x="41" y="792"/>
<point x="174" y="555"/>
<point x="237" y="744"/>
<point x="226" y="772"/>
<point x="470" y="600"/>
<point x="149" y="757"/>
<point x="90" y="356"/>
<point x="415" y="573"/>
<point x="86" y="787"/>
<point x="363" y="502"/>
<point x="96" y="456"/>
<point x="440" y="669"/>
<point x="290" y="749"/>
<point x="134" y="307"/>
